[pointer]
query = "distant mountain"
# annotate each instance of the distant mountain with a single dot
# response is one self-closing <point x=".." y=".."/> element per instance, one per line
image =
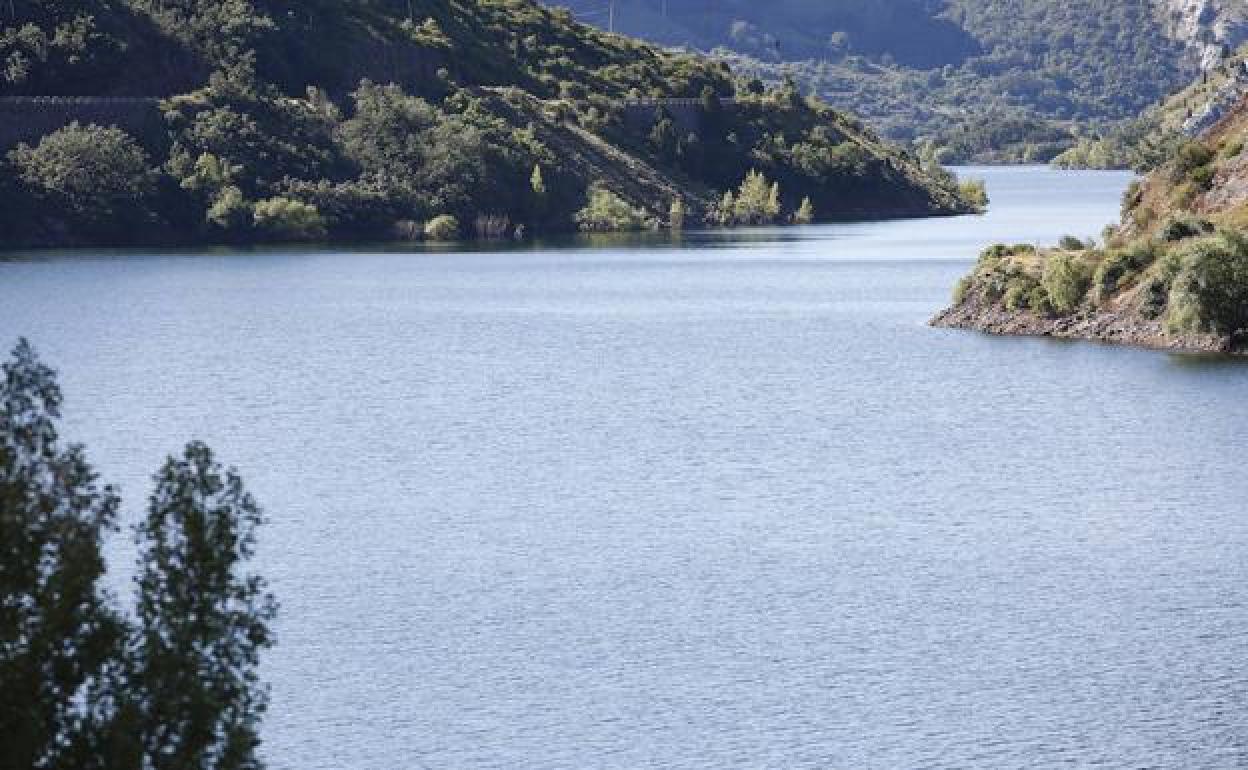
<point x="913" y="32"/>
<point x="995" y="80"/>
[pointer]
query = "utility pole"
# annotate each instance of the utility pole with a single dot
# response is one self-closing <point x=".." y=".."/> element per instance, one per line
<point x="611" y="16"/>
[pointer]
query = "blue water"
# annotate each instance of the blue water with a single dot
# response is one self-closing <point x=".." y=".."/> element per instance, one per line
<point x="724" y="503"/>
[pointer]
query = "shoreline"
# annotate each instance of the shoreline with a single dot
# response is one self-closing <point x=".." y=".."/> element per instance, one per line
<point x="1101" y="326"/>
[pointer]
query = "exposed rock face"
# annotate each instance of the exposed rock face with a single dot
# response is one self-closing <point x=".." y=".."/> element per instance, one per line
<point x="1227" y="97"/>
<point x="1210" y="28"/>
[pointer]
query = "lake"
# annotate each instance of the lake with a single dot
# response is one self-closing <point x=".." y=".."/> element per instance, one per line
<point x="727" y="502"/>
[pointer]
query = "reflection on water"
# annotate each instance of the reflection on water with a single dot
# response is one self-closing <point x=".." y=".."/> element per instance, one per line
<point x="723" y="503"/>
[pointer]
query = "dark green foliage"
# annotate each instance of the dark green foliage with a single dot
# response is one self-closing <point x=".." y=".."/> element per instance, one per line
<point x="984" y="79"/>
<point x="1071" y="243"/>
<point x="1120" y="268"/>
<point x="1210" y="291"/>
<point x="98" y="179"/>
<point x="281" y="133"/>
<point x="1184" y="226"/>
<point x="59" y="638"/>
<point x="80" y="688"/>
<point x="1066" y="280"/>
<point x="202" y="618"/>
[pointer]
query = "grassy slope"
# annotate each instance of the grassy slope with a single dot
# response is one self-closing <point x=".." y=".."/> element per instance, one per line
<point x="1129" y="288"/>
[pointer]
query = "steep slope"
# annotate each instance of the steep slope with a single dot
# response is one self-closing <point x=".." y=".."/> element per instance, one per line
<point x="500" y="116"/>
<point x="987" y="80"/>
<point x="1173" y="275"/>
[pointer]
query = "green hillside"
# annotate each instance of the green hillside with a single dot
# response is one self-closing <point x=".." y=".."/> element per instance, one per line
<point x="1173" y="274"/>
<point x="995" y="80"/>
<point x="408" y="118"/>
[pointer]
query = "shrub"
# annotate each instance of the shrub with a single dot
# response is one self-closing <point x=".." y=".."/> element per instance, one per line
<point x="1016" y="297"/>
<point x="1065" y="280"/>
<point x="1210" y="292"/>
<point x="1071" y="243"/>
<point x="1188" y="158"/>
<point x="443" y="227"/>
<point x="962" y="288"/>
<point x="289" y="220"/>
<point x="1038" y="300"/>
<point x="606" y="212"/>
<point x="974" y="194"/>
<point x="98" y="176"/>
<point x="1184" y="226"/>
<point x="230" y="211"/>
<point x="805" y="213"/>
<point x="757" y="200"/>
<point x="676" y="215"/>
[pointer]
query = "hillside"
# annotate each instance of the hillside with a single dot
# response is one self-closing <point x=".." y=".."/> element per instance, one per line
<point x="499" y="117"/>
<point x="1148" y="141"/>
<point x="981" y="80"/>
<point x="1173" y="274"/>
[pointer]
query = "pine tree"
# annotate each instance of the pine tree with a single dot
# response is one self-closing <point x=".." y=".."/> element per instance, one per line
<point x="805" y="213"/>
<point x="59" y="638"/>
<point x="537" y="182"/>
<point x="202" y="621"/>
<point x="727" y="209"/>
<point x="676" y="216"/>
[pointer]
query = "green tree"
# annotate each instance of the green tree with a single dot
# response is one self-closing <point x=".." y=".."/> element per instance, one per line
<point x="1066" y="279"/>
<point x="203" y="620"/>
<point x="805" y="213"/>
<point x="676" y="215"/>
<point x="59" y="638"/>
<point x="606" y="212"/>
<point x="99" y="177"/>
<point x="757" y="200"/>
<point x="537" y="183"/>
<point x="1210" y="292"/>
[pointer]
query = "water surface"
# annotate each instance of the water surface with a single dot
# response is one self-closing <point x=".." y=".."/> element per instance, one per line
<point x="726" y="503"/>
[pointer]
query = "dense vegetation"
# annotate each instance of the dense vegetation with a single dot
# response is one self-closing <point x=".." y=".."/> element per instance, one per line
<point x="997" y="80"/>
<point x="390" y="118"/>
<point x="84" y="684"/>
<point x="1177" y="265"/>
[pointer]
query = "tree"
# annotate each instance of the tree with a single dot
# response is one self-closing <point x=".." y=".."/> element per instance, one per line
<point x="805" y="213"/>
<point x="59" y="638"/>
<point x="757" y="200"/>
<point x="202" y="619"/>
<point x="537" y="183"/>
<point x="676" y="215"/>
<point x="1210" y="292"/>
<point x="97" y="176"/>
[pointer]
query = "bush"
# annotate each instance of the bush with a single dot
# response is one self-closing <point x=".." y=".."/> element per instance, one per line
<point x="230" y="211"/>
<point x="1184" y="226"/>
<point x="1016" y="297"/>
<point x="289" y="220"/>
<point x="1071" y="243"/>
<point x="961" y="289"/>
<point x="1066" y="279"/>
<point x="1038" y="300"/>
<point x="442" y="228"/>
<point x="1210" y="292"/>
<point x="93" y="175"/>
<point x="1190" y="157"/>
<point x="606" y="212"/>
<point x="974" y="194"/>
<point x="1120" y="268"/>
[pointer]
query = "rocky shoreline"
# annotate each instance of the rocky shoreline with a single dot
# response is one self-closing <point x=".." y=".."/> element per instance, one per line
<point x="1110" y="327"/>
